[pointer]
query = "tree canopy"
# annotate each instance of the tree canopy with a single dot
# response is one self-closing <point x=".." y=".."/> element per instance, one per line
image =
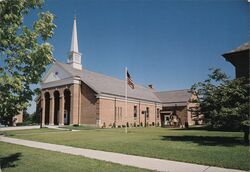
<point x="224" y="102"/>
<point x="24" y="53"/>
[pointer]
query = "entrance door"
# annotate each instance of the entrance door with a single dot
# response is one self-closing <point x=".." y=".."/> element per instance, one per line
<point x="66" y="116"/>
<point x="166" y="120"/>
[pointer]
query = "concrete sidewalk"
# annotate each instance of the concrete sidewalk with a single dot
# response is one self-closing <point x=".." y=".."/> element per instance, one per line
<point x="19" y="128"/>
<point x="130" y="160"/>
<point x="33" y="127"/>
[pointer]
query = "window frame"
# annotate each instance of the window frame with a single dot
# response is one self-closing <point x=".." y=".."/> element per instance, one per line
<point x="147" y="112"/>
<point x="135" y="111"/>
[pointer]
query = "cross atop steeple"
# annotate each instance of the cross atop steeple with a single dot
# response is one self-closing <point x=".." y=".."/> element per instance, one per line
<point x="74" y="55"/>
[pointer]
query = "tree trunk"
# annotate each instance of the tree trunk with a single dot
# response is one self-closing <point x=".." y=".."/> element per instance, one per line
<point x="246" y="136"/>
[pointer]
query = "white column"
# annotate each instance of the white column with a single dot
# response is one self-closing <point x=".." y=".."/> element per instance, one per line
<point x="43" y="111"/>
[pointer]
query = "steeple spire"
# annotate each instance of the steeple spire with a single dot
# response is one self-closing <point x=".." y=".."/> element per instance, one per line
<point x="74" y="41"/>
<point x="74" y="55"/>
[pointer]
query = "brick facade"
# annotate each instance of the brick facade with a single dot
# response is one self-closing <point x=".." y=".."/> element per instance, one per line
<point x="113" y="113"/>
<point x="87" y="108"/>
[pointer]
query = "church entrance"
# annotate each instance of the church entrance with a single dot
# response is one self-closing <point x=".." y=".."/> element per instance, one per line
<point x="67" y="98"/>
<point x="47" y="108"/>
<point x="166" y="119"/>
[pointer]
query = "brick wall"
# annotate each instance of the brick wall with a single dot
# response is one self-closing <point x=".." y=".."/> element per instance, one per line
<point x="17" y="118"/>
<point x="113" y="111"/>
<point x="89" y="106"/>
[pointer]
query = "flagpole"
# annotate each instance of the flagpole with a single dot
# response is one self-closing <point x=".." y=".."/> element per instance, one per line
<point x="126" y="99"/>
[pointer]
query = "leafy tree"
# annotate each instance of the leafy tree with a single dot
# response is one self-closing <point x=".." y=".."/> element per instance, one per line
<point x="224" y="102"/>
<point x="24" y="53"/>
<point x="30" y="119"/>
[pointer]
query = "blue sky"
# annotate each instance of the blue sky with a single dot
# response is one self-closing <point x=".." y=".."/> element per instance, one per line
<point x="168" y="43"/>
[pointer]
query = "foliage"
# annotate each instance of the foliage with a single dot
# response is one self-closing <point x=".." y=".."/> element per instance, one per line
<point x="30" y="119"/>
<point x="224" y="102"/>
<point x="24" y="53"/>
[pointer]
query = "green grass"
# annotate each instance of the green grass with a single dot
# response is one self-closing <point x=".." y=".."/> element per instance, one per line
<point x="215" y="148"/>
<point x="14" y="158"/>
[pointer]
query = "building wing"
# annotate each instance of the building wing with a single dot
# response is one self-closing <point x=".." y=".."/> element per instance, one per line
<point x="176" y="97"/>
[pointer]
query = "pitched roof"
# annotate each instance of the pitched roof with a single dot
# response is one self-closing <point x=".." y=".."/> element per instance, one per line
<point x="108" y="85"/>
<point x="179" y="97"/>
<point x="242" y="47"/>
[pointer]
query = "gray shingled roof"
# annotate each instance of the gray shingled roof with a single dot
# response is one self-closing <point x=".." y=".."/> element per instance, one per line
<point x="176" y="96"/>
<point x="242" y="47"/>
<point x="109" y="85"/>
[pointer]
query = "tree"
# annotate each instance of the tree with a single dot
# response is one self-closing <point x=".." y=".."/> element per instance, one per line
<point x="224" y="102"/>
<point x="30" y="119"/>
<point x="24" y="53"/>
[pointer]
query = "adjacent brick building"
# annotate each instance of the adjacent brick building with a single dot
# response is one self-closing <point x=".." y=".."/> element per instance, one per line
<point x="178" y="108"/>
<point x="239" y="57"/>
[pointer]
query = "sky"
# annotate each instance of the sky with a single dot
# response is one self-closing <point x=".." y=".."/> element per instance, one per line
<point x="168" y="43"/>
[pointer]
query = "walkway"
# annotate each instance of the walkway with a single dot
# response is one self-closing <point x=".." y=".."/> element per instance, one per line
<point x="33" y="127"/>
<point x="19" y="128"/>
<point x="130" y="160"/>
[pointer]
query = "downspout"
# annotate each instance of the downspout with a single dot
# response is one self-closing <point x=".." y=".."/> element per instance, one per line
<point x="139" y="113"/>
<point x="115" y="112"/>
<point x="79" y="102"/>
<point x="155" y="112"/>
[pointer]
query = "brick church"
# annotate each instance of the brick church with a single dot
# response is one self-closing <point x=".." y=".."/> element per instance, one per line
<point x="72" y="95"/>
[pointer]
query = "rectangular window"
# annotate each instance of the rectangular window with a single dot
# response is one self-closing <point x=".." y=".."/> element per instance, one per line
<point x="147" y="112"/>
<point x="118" y="113"/>
<point x="121" y="112"/>
<point x="115" y="113"/>
<point x="135" y="111"/>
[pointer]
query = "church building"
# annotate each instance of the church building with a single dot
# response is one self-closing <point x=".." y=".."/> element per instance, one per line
<point x="71" y="94"/>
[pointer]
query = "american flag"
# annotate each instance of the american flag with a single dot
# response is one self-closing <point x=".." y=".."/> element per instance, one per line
<point x="130" y="81"/>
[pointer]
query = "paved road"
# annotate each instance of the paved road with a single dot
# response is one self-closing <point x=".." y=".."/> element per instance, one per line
<point x="131" y="160"/>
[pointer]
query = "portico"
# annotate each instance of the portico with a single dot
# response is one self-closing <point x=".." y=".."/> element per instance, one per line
<point x="59" y="106"/>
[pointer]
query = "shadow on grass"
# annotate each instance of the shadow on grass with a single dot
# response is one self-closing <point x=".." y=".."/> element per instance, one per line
<point x="206" y="128"/>
<point x="76" y="127"/>
<point x="9" y="161"/>
<point x="207" y="140"/>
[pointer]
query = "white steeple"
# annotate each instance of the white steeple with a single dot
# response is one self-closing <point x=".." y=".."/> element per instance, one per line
<point x="74" y="56"/>
<point x="74" y="42"/>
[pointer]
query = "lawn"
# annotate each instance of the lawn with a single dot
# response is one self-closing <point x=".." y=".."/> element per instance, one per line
<point x="19" y="158"/>
<point x="215" y="148"/>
